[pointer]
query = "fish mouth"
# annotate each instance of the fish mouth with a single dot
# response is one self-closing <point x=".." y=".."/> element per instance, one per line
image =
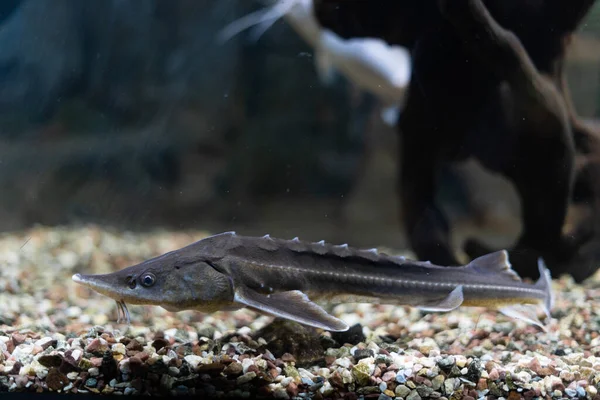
<point x="96" y="283"/>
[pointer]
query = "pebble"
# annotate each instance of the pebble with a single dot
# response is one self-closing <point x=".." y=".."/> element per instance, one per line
<point x="247" y="377"/>
<point x="91" y="382"/>
<point x="437" y="382"/>
<point x="402" y="391"/>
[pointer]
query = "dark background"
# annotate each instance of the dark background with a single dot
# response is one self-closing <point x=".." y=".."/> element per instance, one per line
<point x="130" y="114"/>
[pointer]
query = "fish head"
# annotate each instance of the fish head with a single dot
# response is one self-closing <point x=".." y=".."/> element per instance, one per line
<point x="173" y="281"/>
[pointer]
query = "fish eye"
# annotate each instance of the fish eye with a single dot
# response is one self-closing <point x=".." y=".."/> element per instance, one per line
<point x="148" y="279"/>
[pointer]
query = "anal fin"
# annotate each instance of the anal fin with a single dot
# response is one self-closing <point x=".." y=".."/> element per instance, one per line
<point x="524" y="312"/>
<point x="449" y="303"/>
<point x="293" y="305"/>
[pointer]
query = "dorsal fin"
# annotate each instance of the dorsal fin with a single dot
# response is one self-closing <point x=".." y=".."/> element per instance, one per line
<point x="494" y="263"/>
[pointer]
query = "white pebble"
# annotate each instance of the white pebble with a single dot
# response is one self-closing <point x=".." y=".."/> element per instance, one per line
<point x="193" y="360"/>
<point x="460" y="360"/>
<point x="73" y="312"/>
<point x="343" y="362"/>
<point x="119" y="348"/>
<point x="246" y="363"/>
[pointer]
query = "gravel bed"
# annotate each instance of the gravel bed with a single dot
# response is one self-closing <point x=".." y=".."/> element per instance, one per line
<point x="57" y="336"/>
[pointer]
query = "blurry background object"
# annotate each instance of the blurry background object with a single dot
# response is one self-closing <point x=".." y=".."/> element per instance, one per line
<point x="370" y="64"/>
<point x="131" y="115"/>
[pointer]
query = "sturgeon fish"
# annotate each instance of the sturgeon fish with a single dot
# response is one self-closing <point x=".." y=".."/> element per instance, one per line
<point x="287" y="278"/>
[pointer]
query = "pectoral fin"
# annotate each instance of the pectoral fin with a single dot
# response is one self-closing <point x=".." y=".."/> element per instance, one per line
<point x="449" y="303"/>
<point x="293" y="305"/>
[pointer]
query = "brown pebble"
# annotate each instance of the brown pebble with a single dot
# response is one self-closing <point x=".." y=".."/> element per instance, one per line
<point x="108" y="337"/>
<point x="384" y="351"/>
<point x="558" y="386"/>
<point x="134" y="345"/>
<point x="15" y="369"/>
<point x="56" y="380"/>
<point x="21" y="381"/>
<point x="376" y="372"/>
<point x="137" y="384"/>
<point x="159" y="343"/>
<point x="329" y="360"/>
<point x="336" y="380"/>
<point x="535" y="365"/>
<point x="18" y="339"/>
<point x="393" y="367"/>
<point x="287" y="357"/>
<point x="50" y="360"/>
<point x="253" y="368"/>
<point x="233" y="369"/>
<point x="212" y="369"/>
<point x="514" y="395"/>
<point x="96" y="361"/>
<point x="388" y="376"/>
<point x="494" y="375"/>
<point x="96" y="346"/>
<point x="292" y="389"/>
<point x="125" y="340"/>
<point x="143" y="356"/>
<point x="273" y="373"/>
<point x="136" y="365"/>
<point x="350" y="396"/>
<point x="10" y="346"/>
<point x="482" y="384"/>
